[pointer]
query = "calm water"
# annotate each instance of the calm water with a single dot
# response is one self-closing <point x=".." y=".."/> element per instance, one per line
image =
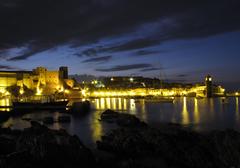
<point x="200" y="114"/>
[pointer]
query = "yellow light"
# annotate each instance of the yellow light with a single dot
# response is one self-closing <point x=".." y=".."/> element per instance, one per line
<point x="237" y="94"/>
<point x="21" y="91"/>
<point x="39" y="91"/>
<point x="7" y="93"/>
<point x="67" y="91"/>
<point x="112" y="79"/>
<point x="84" y="92"/>
<point x="131" y="79"/>
<point x="60" y="88"/>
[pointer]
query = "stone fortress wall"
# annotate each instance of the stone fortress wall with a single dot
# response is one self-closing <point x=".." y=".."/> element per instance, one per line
<point x="39" y="79"/>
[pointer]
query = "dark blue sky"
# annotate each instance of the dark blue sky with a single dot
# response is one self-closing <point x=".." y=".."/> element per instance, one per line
<point x="180" y="41"/>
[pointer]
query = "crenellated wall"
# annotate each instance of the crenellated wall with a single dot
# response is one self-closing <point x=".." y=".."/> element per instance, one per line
<point x="39" y="79"/>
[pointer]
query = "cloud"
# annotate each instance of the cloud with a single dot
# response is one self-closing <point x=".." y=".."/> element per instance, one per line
<point x="98" y="59"/>
<point x="91" y="52"/>
<point x="124" y="67"/>
<point x="29" y="51"/>
<point x="125" y="46"/>
<point x="83" y="22"/>
<point x="146" y="52"/>
<point x="6" y="67"/>
<point x="134" y="44"/>
<point x="150" y="69"/>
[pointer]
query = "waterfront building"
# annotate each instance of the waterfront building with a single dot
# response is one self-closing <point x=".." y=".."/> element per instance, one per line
<point x="140" y="86"/>
<point x="40" y="80"/>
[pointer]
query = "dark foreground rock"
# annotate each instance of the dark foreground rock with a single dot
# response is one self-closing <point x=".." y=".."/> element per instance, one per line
<point x="171" y="146"/>
<point x="133" y="144"/>
<point x="121" y="119"/>
<point x="64" y="119"/>
<point x="41" y="147"/>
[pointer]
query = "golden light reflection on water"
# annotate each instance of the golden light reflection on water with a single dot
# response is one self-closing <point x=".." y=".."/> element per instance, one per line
<point x="108" y="103"/>
<point x="96" y="127"/>
<point x="196" y="111"/>
<point x="185" y="115"/>
<point x="237" y="109"/>
<point x="5" y="102"/>
<point x="237" y="105"/>
<point x="115" y="104"/>
<point x="132" y="106"/>
<point x="97" y="103"/>
<point x="124" y="104"/>
<point x="119" y="103"/>
<point x="143" y="110"/>
<point x="102" y="103"/>
<point x="211" y="105"/>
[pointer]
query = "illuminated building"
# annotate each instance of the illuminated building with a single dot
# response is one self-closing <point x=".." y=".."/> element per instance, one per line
<point x="40" y="80"/>
<point x="121" y="88"/>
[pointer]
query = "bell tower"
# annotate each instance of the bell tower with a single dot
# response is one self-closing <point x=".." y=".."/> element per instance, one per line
<point x="209" y="86"/>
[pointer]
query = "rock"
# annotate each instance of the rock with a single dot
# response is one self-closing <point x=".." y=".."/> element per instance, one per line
<point x="48" y="120"/>
<point x="64" y="119"/>
<point x="40" y="147"/>
<point x="172" y="146"/>
<point x="121" y="119"/>
<point x="26" y="119"/>
<point x="7" y="144"/>
<point x="53" y="148"/>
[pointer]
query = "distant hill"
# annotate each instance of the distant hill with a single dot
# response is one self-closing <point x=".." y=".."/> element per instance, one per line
<point x="83" y="77"/>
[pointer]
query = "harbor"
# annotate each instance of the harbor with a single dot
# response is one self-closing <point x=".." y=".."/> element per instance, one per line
<point x="198" y="114"/>
<point x="119" y="84"/>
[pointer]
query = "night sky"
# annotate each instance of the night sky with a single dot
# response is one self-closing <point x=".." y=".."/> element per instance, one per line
<point x="172" y="39"/>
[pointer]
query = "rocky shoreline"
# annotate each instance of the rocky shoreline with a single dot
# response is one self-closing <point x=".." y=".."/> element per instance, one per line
<point x="132" y="144"/>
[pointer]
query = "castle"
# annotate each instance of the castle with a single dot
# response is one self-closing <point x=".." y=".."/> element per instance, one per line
<point x="39" y="80"/>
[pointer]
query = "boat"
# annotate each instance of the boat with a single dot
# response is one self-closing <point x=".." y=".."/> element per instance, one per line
<point x="18" y="105"/>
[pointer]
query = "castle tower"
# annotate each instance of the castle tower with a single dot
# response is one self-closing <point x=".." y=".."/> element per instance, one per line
<point x="63" y="72"/>
<point x="209" y="86"/>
